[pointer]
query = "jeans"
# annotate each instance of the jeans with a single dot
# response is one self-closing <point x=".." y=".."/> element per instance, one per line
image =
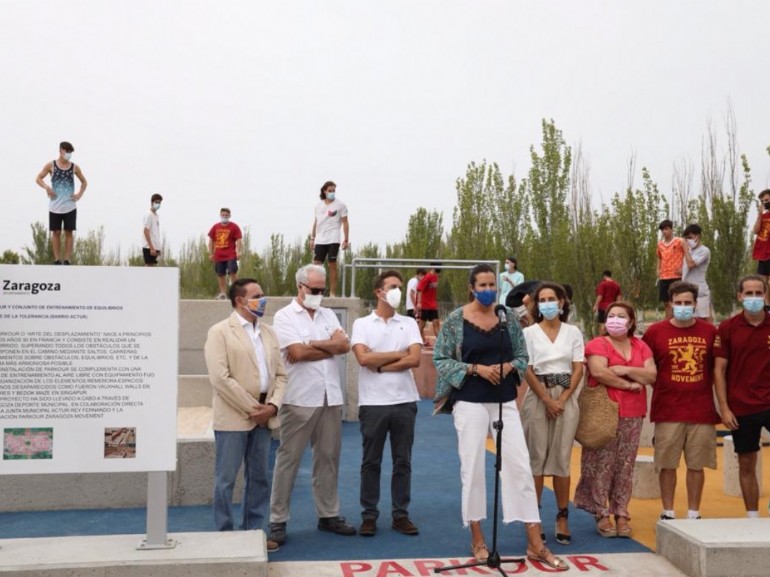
<point x="252" y="448"/>
<point x="377" y="422"/>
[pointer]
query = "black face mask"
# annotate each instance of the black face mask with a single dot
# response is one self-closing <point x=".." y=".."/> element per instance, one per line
<point x="766" y="204"/>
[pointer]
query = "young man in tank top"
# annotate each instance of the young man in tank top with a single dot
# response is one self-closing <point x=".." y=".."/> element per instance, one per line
<point x="62" y="209"/>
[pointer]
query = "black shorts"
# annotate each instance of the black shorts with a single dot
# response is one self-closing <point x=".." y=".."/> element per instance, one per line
<point x="763" y="267"/>
<point x="429" y="315"/>
<point x="746" y="436"/>
<point x="68" y="219"/>
<point x="321" y="251"/>
<point x="601" y="316"/>
<point x="224" y="267"/>
<point x="148" y="258"/>
<point x="410" y="313"/>
<point x="663" y="285"/>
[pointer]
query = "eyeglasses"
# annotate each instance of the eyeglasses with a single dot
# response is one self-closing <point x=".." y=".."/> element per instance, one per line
<point x="313" y="291"/>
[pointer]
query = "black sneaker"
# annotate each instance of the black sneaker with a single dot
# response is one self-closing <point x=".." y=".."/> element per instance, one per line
<point x="664" y="517"/>
<point x="66" y="262"/>
<point x="57" y="262"/>
<point x="336" y="525"/>
<point x="277" y="533"/>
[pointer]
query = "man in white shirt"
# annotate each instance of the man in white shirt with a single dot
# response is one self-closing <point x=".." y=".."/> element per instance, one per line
<point x="387" y="345"/>
<point x="411" y="291"/>
<point x="151" y="232"/>
<point x="694" y="269"/>
<point x="310" y="337"/>
<point x="330" y="215"/>
<point x="249" y="379"/>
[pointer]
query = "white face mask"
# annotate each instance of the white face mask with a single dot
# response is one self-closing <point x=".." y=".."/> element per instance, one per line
<point x="521" y="311"/>
<point x="331" y="195"/>
<point x="156" y="205"/>
<point x="393" y="297"/>
<point x="691" y="242"/>
<point x="67" y="155"/>
<point x="312" y="301"/>
<point x="225" y="219"/>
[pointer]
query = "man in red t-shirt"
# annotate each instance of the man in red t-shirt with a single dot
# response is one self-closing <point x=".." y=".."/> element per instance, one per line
<point x="682" y="405"/>
<point x="742" y="381"/>
<point x="224" y="250"/>
<point x="426" y="307"/>
<point x="607" y="292"/>
<point x="761" y="252"/>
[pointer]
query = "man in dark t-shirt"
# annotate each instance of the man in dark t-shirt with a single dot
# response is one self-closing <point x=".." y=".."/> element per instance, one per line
<point x="742" y="381"/>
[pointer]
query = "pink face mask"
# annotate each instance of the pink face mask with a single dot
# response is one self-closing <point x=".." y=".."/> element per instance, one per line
<point x="617" y="326"/>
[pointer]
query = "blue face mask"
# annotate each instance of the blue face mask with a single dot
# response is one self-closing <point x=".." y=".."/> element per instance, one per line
<point x="486" y="297"/>
<point x="549" y="309"/>
<point x="684" y="312"/>
<point x="753" y="304"/>
<point x="331" y="195"/>
<point x="257" y="306"/>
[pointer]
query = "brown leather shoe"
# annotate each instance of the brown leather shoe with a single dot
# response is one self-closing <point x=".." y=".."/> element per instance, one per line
<point x="405" y="526"/>
<point x="368" y="528"/>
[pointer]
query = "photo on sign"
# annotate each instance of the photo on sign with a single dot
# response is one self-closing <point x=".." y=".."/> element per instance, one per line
<point x="24" y="444"/>
<point x="120" y="443"/>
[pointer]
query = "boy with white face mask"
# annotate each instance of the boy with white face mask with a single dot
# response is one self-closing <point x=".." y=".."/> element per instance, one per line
<point x="225" y="250"/>
<point x="387" y="345"/>
<point x="696" y="264"/>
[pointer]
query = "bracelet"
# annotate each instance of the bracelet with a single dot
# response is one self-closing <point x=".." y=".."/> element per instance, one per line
<point x="475" y="371"/>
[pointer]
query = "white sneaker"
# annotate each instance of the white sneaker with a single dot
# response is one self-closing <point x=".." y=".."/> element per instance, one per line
<point x="221" y="297"/>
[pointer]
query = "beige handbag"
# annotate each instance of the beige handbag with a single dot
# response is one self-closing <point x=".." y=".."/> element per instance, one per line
<point x="598" y="422"/>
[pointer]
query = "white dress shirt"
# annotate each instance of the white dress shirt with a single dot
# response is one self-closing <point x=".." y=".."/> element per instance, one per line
<point x="252" y="329"/>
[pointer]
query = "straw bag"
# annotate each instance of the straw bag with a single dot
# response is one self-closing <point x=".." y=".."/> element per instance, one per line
<point x="598" y="422"/>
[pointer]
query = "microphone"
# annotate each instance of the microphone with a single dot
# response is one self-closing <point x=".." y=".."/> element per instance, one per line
<point x="502" y="314"/>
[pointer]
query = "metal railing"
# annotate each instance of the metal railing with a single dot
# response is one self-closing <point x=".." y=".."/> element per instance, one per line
<point x="407" y="263"/>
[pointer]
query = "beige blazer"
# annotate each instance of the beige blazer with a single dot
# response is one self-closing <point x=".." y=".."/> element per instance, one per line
<point x="234" y="373"/>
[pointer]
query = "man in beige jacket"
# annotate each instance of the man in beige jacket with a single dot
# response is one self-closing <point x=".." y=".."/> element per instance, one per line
<point x="249" y="379"/>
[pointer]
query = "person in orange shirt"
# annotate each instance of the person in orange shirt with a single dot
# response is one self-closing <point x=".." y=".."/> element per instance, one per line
<point x="670" y="257"/>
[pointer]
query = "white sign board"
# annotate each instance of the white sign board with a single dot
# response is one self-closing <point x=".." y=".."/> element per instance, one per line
<point x="88" y="368"/>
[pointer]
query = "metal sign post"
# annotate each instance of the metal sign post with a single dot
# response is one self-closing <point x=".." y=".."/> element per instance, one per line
<point x="157" y="513"/>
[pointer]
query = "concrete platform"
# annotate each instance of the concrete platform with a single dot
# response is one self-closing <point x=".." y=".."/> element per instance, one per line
<point x="231" y="554"/>
<point x="716" y="547"/>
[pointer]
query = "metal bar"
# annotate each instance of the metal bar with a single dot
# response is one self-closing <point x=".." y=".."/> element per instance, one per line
<point x="157" y="513"/>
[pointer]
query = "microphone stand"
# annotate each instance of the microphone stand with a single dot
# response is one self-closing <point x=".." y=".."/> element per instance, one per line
<point x="494" y="561"/>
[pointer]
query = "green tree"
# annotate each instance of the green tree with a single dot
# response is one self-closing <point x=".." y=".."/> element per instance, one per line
<point x="40" y="252"/>
<point x="10" y="257"/>
<point x="89" y="250"/>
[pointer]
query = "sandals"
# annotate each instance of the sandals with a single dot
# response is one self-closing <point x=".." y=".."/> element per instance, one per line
<point x="549" y="559"/>
<point x="561" y="538"/>
<point x="604" y="527"/>
<point x="480" y="552"/>
<point x="623" y="528"/>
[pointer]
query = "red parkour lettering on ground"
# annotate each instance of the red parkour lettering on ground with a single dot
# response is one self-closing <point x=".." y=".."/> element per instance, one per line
<point x="425" y="567"/>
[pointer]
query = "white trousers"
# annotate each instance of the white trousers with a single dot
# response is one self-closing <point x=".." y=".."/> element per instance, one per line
<point x="473" y="421"/>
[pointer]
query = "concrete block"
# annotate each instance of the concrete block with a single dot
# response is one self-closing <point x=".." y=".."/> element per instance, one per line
<point x="648" y="428"/>
<point x="225" y="554"/>
<point x="716" y="547"/>
<point x="731" y="484"/>
<point x="194" y="391"/>
<point x="645" y="483"/>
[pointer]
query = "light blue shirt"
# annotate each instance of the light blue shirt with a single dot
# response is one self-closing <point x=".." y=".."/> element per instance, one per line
<point x="508" y="280"/>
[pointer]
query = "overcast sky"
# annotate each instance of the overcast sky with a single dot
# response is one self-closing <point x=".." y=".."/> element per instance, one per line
<point x="253" y="105"/>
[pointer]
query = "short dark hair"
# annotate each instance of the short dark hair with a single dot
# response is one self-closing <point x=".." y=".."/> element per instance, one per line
<point x="631" y="315"/>
<point x="693" y="228"/>
<point x="156" y="198"/>
<point x="763" y="193"/>
<point x="422" y="271"/>
<point x="437" y="267"/>
<point x="680" y="287"/>
<point x="513" y="260"/>
<point x="607" y="273"/>
<point x="326" y="185"/>
<point x="749" y="277"/>
<point x="379" y="280"/>
<point x="66" y="146"/>
<point x="666" y="224"/>
<point x="238" y="288"/>
<point x="225" y="209"/>
<point x="561" y="294"/>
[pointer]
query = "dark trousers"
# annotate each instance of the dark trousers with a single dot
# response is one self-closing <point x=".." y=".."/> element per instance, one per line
<point x="376" y="422"/>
